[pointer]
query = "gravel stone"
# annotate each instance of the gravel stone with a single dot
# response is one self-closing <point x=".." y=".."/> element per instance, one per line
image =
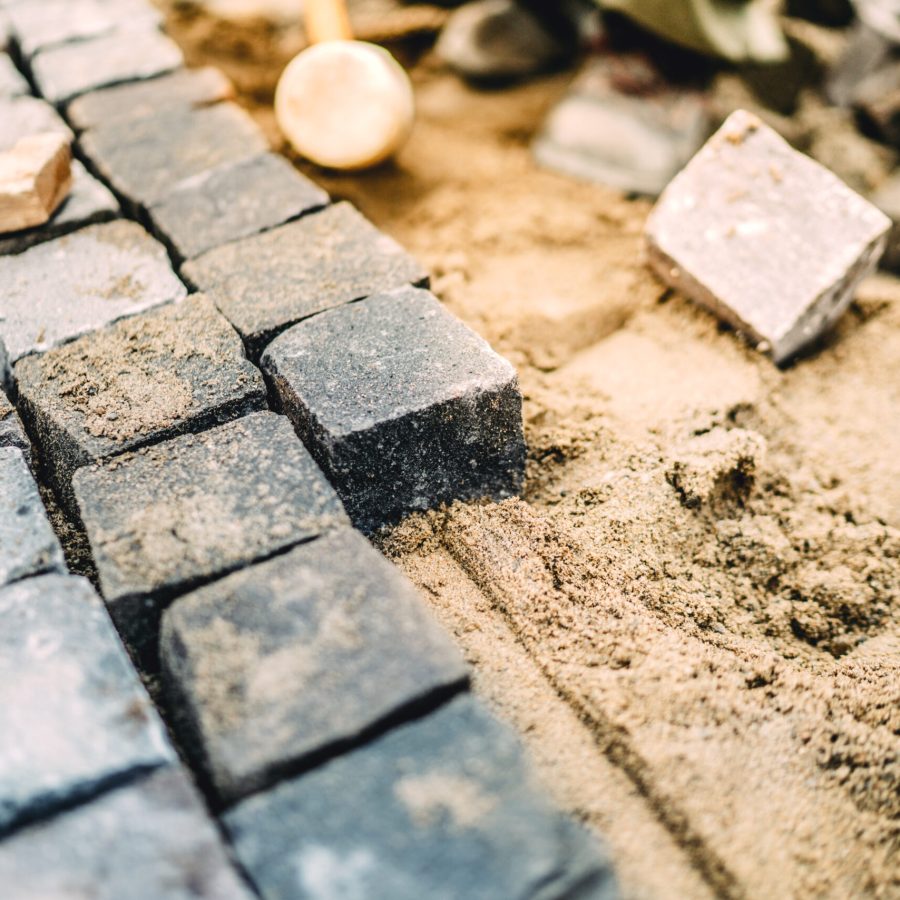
<point x="89" y="202"/>
<point x="27" y="115"/>
<point x="74" y="717"/>
<point x="28" y="545"/>
<point x="234" y="201"/>
<point x="441" y="808"/>
<point x="12" y="433"/>
<point x="174" y="370"/>
<point x="145" y="159"/>
<point x="150" y="840"/>
<point x="768" y="239"/>
<point x="65" y="71"/>
<point x="263" y="284"/>
<point x="345" y="645"/>
<point x="12" y="82"/>
<point x="184" y="89"/>
<point x="402" y="405"/>
<point x="62" y="289"/>
<point x="166" y="518"/>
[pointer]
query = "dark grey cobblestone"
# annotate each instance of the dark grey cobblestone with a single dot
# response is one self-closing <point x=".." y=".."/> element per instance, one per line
<point x="62" y="289"/>
<point x="145" y="159"/>
<point x="402" y="405"/>
<point x="12" y="82"/>
<point x="28" y="545"/>
<point x="344" y="644"/>
<point x="89" y="202"/>
<point x="74" y="717"/>
<point x="441" y="808"/>
<point x="65" y="71"/>
<point x="266" y="283"/>
<point x="167" y="517"/>
<point x="27" y="115"/>
<point x="174" y="370"/>
<point x="183" y="89"/>
<point x="151" y="840"/>
<point x="12" y="434"/>
<point x="233" y="201"/>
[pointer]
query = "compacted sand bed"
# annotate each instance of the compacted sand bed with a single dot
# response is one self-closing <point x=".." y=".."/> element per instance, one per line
<point x="692" y="615"/>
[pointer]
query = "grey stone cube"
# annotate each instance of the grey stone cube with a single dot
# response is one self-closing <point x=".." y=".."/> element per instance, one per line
<point x="74" y="717"/>
<point x="266" y="283"/>
<point x="182" y="89"/>
<point x="65" y="71"/>
<point x="62" y="289"/>
<point x="234" y="201"/>
<point x="166" y="518"/>
<point x="149" y="840"/>
<point x="288" y="661"/>
<point x="89" y="203"/>
<point x="441" y="808"/>
<point x="12" y="81"/>
<point x="177" y="369"/>
<point x="768" y="239"/>
<point x="27" y="115"/>
<point x="144" y="159"/>
<point x="402" y="405"/>
<point x="28" y="545"/>
<point x="12" y="434"/>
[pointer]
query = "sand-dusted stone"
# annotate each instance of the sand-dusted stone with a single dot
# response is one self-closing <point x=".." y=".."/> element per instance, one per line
<point x="402" y="405"/>
<point x="441" y="808"/>
<point x="233" y="201"/>
<point x="12" y="82"/>
<point x="28" y="115"/>
<point x="62" y="289"/>
<point x="144" y="159"/>
<point x="165" y="518"/>
<point x="149" y="840"/>
<point x="177" y="369"/>
<point x="343" y="645"/>
<point x="74" y="717"/>
<point x="67" y="70"/>
<point x="28" y="545"/>
<point x="264" y="284"/>
<point x="182" y="89"/>
<point x="35" y="178"/>
<point x="12" y="433"/>
<point x="89" y="202"/>
<point x="767" y="238"/>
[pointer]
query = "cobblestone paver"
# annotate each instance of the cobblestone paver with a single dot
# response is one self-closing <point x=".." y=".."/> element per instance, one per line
<point x="27" y="115"/>
<point x="12" y="82"/>
<point x="12" y="433"/>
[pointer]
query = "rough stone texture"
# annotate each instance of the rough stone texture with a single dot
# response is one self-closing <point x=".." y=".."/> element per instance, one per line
<point x="345" y="645"/>
<point x="177" y="369"/>
<point x="27" y="115"/>
<point x="771" y="241"/>
<point x="234" y="201"/>
<point x="74" y="718"/>
<point x="12" y="434"/>
<point x="266" y="283"/>
<point x="168" y="517"/>
<point x="183" y="89"/>
<point x="64" y="288"/>
<point x="65" y="71"/>
<point x="28" y="545"/>
<point x="403" y="406"/>
<point x="89" y="202"/>
<point x="35" y="178"/>
<point x="887" y="199"/>
<point x="150" y="840"/>
<point x="144" y="159"/>
<point x="36" y="26"/>
<point x="441" y="809"/>
<point x="12" y="82"/>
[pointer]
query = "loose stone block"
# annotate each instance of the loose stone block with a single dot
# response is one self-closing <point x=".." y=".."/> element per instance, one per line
<point x="344" y="645"/>
<point x="184" y="89"/>
<point x="20" y="116"/>
<point x="150" y="840"/>
<point x="12" y="82"/>
<point x="402" y="405"/>
<point x="166" y="518"/>
<point x="441" y="808"/>
<point x="65" y="71"/>
<point x="35" y="178"/>
<point x="28" y="545"/>
<point x="232" y="202"/>
<point x="74" y="718"/>
<point x="144" y="159"/>
<point x="62" y="289"/>
<point x="89" y="202"/>
<point x="264" y="284"/>
<point x="12" y="434"/>
<point x="177" y="369"/>
<point x="768" y="239"/>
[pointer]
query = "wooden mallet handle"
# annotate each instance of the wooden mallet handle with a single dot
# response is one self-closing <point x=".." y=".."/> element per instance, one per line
<point x="327" y="20"/>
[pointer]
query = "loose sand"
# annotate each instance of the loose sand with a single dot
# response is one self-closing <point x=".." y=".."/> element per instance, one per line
<point x="693" y="614"/>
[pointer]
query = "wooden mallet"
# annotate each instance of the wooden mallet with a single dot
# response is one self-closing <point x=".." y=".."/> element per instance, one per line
<point x="343" y="104"/>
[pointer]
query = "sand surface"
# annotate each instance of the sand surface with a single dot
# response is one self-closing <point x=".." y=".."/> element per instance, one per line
<point x="693" y="614"/>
